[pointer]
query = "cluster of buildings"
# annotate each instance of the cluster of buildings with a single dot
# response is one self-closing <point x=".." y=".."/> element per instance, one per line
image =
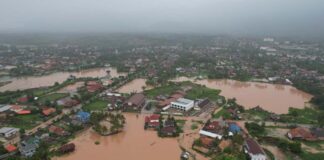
<point x="219" y="129"/>
<point x="165" y="127"/>
<point x="28" y="144"/>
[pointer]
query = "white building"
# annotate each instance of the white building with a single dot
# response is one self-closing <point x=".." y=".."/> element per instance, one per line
<point x="8" y="132"/>
<point x="210" y="134"/>
<point x="183" y="104"/>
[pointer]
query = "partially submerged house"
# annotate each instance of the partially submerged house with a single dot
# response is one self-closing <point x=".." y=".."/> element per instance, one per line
<point x="152" y="121"/>
<point x="213" y="129"/>
<point x="135" y="102"/>
<point x="254" y="150"/>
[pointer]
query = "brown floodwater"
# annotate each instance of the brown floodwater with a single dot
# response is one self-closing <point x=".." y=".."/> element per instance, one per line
<point x="71" y="88"/>
<point x="134" y="143"/>
<point x="135" y="85"/>
<point x="272" y="97"/>
<point x="27" y="82"/>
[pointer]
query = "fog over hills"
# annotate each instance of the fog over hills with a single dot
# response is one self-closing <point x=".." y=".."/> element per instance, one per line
<point x="303" y="18"/>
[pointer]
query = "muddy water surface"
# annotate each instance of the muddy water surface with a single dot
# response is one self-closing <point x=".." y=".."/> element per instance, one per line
<point x="48" y="80"/>
<point x="135" y="85"/>
<point x="133" y="144"/>
<point x="272" y="97"/>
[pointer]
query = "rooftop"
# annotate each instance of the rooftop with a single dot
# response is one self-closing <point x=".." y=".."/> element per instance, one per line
<point x="253" y="147"/>
<point x="184" y="101"/>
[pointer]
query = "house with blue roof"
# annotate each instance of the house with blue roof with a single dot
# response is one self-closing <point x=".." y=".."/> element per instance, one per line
<point x="83" y="116"/>
<point x="234" y="128"/>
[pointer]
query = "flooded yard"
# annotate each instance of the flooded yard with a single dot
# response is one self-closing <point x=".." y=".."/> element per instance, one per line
<point x="133" y="143"/>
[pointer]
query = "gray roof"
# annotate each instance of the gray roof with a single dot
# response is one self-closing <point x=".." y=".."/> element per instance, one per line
<point x="7" y="129"/>
<point x="4" y="107"/>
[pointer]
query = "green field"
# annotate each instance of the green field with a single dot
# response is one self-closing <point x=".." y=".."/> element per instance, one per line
<point x="163" y="90"/>
<point x="222" y="113"/>
<point x="196" y="91"/>
<point x="302" y="116"/>
<point x="96" y="105"/>
<point x="25" y="121"/>
<point x="52" y="97"/>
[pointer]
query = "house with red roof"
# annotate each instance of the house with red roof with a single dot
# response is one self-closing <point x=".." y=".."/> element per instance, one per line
<point x="24" y="112"/>
<point x="57" y="130"/>
<point x="48" y="111"/>
<point x="93" y="86"/>
<point x="301" y="133"/>
<point x="22" y="99"/>
<point x="152" y="121"/>
<point x="213" y="129"/>
<point x="10" y="148"/>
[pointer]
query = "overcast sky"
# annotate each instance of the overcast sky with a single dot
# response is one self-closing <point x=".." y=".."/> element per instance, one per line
<point x="265" y="17"/>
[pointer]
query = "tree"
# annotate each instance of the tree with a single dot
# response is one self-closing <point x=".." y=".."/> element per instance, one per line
<point x="295" y="147"/>
<point x="22" y="131"/>
<point x="238" y="139"/>
<point x="320" y="118"/>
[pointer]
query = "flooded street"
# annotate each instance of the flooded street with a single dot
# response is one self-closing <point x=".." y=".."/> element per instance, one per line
<point x="272" y="97"/>
<point x="48" y="80"/>
<point x="135" y="85"/>
<point x="134" y="143"/>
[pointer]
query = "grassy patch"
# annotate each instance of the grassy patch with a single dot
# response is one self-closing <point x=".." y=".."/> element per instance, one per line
<point x="199" y="91"/>
<point x="53" y="97"/>
<point x="163" y="90"/>
<point x="303" y="116"/>
<point x="316" y="144"/>
<point x="96" y="105"/>
<point x="270" y="155"/>
<point x="312" y="156"/>
<point x="222" y="113"/>
<point x="194" y="126"/>
<point x="180" y="124"/>
<point x="25" y="121"/>
<point x="261" y="114"/>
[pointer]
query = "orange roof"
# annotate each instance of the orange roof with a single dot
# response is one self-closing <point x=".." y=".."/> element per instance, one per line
<point x="48" y="111"/>
<point x="11" y="148"/>
<point x="24" y="112"/>
<point x="301" y="132"/>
